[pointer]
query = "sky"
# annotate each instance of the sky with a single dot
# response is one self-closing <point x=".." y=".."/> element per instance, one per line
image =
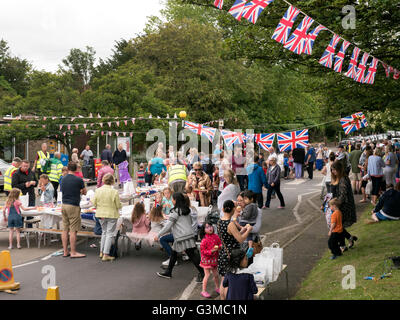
<point x="44" y="31"/>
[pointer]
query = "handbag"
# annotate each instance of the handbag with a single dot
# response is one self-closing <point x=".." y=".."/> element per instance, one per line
<point x="114" y="247"/>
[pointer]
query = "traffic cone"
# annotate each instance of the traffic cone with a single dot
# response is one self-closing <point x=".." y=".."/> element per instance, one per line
<point x="6" y="272"/>
<point x="53" y="293"/>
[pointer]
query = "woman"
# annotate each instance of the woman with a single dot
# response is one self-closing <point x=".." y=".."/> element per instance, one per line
<point x="391" y="163"/>
<point x="231" y="238"/>
<point x="180" y="224"/>
<point x="231" y="191"/>
<point x="156" y="165"/>
<point x="193" y="157"/>
<point x="320" y="158"/>
<point x="341" y="189"/>
<point x="375" y="171"/>
<point x="107" y="203"/>
<point x="201" y="184"/>
<point x="364" y="167"/>
<point x="388" y="206"/>
<point x="326" y="171"/>
<point x="74" y="156"/>
<point x="274" y="180"/>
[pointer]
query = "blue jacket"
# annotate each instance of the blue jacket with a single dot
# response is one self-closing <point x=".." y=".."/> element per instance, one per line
<point x="257" y="178"/>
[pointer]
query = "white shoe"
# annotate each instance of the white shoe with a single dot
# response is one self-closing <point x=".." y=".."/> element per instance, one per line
<point x="166" y="263"/>
<point x="185" y="257"/>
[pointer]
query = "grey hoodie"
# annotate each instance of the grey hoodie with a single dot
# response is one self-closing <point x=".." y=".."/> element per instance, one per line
<point x="179" y="225"/>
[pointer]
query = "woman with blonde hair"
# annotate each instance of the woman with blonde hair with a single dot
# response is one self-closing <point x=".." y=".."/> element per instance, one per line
<point x="231" y="191"/>
<point x="74" y="156"/>
<point x="107" y="203"/>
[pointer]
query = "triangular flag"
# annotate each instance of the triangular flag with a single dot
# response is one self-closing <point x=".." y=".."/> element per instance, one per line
<point x="92" y="124"/>
<point x="102" y="133"/>
<point x="44" y="126"/>
<point x="72" y="131"/>
<point x="175" y="116"/>
<point x="124" y="133"/>
<point x="117" y="122"/>
<point x="98" y="115"/>
<point x="72" y="119"/>
<point x="109" y="133"/>
<point x="126" y="122"/>
<point x="77" y="126"/>
<point x="61" y="126"/>
<point x="131" y="134"/>
<point x="64" y="133"/>
<point x="101" y="124"/>
<point x="69" y="127"/>
<point x="109" y="124"/>
<point x="44" y="118"/>
<point x="86" y="131"/>
<point x="91" y="115"/>
<point x="84" y="125"/>
<point x="150" y="116"/>
<point x="133" y="121"/>
<point x="117" y="133"/>
<point x="167" y="116"/>
<point x="53" y="118"/>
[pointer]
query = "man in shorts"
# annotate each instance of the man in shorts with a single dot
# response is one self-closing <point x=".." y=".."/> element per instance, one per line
<point x="355" y="169"/>
<point x="71" y="187"/>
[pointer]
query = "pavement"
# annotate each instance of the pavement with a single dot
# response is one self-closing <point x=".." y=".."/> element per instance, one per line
<point x="300" y="229"/>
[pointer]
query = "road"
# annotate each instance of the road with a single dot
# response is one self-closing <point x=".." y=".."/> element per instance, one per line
<point x="299" y="228"/>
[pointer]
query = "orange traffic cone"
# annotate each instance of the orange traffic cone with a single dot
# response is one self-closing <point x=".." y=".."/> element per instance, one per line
<point x="53" y="293"/>
<point x="6" y="273"/>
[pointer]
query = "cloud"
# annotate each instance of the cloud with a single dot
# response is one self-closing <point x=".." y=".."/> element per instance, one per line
<point x="44" y="31"/>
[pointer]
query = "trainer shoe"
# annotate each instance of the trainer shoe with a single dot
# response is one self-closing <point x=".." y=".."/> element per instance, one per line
<point x="351" y="241"/>
<point x="165" y="275"/>
<point x="166" y="263"/>
<point x="185" y="257"/>
<point x="205" y="294"/>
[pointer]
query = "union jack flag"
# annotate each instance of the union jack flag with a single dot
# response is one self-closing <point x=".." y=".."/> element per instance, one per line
<point x="354" y="122"/>
<point x="299" y="36"/>
<point x="237" y="9"/>
<point x="362" y="66"/>
<point x="327" y="57"/>
<point x="265" y="141"/>
<point x="388" y="69"/>
<point x="253" y="9"/>
<point x="219" y="3"/>
<point x="232" y="138"/>
<point x="340" y="56"/>
<point x="284" y="27"/>
<point x="352" y="71"/>
<point x="291" y="140"/>
<point x="311" y="39"/>
<point x="201" y="130"/>
<point x="370" y="77"/>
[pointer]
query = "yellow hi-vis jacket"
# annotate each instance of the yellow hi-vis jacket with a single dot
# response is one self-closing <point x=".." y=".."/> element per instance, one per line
<point x="41" y="156"/>
<point x="176" y="172"/>
<point x="8" y="178"/>
<point x="56" y="170"/>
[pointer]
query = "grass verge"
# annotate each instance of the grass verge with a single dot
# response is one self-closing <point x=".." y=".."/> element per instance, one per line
<point x="375" y="243"/>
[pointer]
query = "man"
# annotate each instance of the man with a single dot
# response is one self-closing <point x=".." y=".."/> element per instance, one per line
<point x="257" y="180"/>
<point x="86" y="155"/>
<point x="105" y="168"/>
<point x="16" y="163"/>
<point x="208" y="166"/>
<point x="25" y="180"/>
<point x="238" y="161"/>
<point x="55" y="172"/>
<point x="298" y="159"/>
<point x="106" y="154"/>
<point x="119" y="157"/>
<point x="201" y="182"/>
<point x="354" y="158"/>
<point x="310" y="159"/>
<point x="177" y="176"/>
<point x="40" y="160"/>
<point x="71" y="187"/>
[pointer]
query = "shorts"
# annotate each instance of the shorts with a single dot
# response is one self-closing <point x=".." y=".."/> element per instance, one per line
<point x="381" y="217"/>
<point x="71" y="218"/>
<point x="15" y="221"/>
<point x="355" y="177"/>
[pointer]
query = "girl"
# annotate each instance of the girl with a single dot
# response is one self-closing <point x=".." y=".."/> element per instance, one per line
<point x="157" y="220"/>
<point x="209" y="247"/>
<point x="180" y="224"/>
<point x="241" y="286"/>
<point x="158" y="199"/>
<point x="166" y="202"/>
<point x="140" y="225"/>
<point x="14" y="206"/>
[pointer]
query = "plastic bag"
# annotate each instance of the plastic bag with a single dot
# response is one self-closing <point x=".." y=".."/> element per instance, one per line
<point x="276" y="253"/>
<point x="3" y="223"/>
<point x="262" y="268"/>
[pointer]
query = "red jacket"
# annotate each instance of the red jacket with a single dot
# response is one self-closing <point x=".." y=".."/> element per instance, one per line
<point x="208" y="258"/>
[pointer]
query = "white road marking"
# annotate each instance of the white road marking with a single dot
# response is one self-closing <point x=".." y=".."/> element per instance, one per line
<point x="25" y="264"/>
<point x="188" y="291"/>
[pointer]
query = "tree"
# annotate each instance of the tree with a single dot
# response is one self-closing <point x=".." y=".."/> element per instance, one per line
<point x="80" y="64"/>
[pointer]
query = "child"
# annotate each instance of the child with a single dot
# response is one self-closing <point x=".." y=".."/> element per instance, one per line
<point x="163" y="178"/>
<point x="140" y="225"/>
<point x="140" y="180"/>
<point x="286" y="165"/>
<point x="14" y="206"/>
<point x="166" y="202"/>
<point x="241" y="286"/>
<point x="158" y="199"/>
<point x="209" y="247"/>
<point x="336" y="238"/>
<point x="46" y="190"/>
<point x="249" y="216"/>
<point x="157" y="220"/>
<point x="64" y="172"/>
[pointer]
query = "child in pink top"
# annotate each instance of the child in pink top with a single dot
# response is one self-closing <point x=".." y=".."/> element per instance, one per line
<point x="209" y="247"/>
<point x="140" y="225"/>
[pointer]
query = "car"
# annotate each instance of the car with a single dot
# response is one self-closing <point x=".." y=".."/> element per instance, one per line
<point x="3" y="168"/>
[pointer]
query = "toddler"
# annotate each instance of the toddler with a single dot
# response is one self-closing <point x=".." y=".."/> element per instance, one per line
<point x="336" y="238"/>
<point x="241" y="286"/>
<point x="209" y="247"/>
<point x="12" y="214"/>
<point x="249" y="216"/>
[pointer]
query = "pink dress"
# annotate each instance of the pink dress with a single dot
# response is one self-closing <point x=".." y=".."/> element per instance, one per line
<point x="140" y="230"/>
<point x="209" y="260"/>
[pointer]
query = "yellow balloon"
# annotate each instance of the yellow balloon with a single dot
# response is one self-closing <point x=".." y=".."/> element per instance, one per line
<point x="182" y="114"/>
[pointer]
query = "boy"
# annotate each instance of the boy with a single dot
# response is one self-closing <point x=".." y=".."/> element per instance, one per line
<point x="336" y="229"/>
<point x="46" y="190"/>
<point x="140" y="176"/>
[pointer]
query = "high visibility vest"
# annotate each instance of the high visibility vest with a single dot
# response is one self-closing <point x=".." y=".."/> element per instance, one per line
<point x="177" y="172"/>
<point x="8" y="178"/>
<point x="55" y="171"/>
<point x="41" y="156"/>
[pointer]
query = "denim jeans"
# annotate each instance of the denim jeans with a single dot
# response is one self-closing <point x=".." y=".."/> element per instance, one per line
<point x="165" y="240"/>
<point x="108" y="228"/>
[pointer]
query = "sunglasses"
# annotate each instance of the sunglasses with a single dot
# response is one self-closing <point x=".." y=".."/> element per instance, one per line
<point x="197" y="169"/>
